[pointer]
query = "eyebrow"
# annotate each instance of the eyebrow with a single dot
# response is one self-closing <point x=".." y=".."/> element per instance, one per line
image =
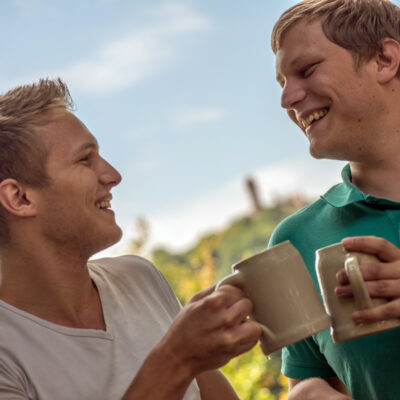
<point x="295" y="63"/>
<point x="87" y="146"/>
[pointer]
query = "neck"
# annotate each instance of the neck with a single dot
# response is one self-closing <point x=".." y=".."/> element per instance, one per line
<point x="380" y="180"/>
<point x="52" y="287"/>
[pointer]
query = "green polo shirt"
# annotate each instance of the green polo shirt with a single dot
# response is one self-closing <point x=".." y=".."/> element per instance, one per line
<point x="368" y="366"/>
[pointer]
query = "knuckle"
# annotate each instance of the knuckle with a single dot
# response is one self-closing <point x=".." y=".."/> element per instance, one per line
<point x="372" y="270"/>
<point x="382" y="244"/>
<point x="381" y="288"/>
<point x="227" y="320"/>
<point x="246" y="307"/>
<point x="228" y="341"/>
<point x="214" y="302"/>
<point x="390" y="310"/>
<point x="232" y="291"/>
<point x="195" y="298"/>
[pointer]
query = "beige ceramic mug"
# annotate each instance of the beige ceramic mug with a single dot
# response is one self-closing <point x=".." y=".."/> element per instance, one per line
<point x="331" y="259"/>
<point x="286" y="302"/>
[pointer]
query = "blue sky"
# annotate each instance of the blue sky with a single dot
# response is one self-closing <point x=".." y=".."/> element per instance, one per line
<point x="181" y="96"/>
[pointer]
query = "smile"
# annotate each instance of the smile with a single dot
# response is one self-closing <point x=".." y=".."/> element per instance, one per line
<point x="103" y="204"/>
<point x="315" y="116"/>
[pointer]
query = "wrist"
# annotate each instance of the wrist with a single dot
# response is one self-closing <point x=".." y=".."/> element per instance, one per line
<point x="176" y="371"/>
<point x="162" y="373"/>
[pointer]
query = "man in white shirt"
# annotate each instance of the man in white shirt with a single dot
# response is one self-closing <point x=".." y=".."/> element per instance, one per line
<point x="110" y="328"/>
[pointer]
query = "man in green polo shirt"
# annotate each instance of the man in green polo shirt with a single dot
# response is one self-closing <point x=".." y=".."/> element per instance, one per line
<point x="338" y="64"/>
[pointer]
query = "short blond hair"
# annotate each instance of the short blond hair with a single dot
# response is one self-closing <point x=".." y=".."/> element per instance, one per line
<point x="359" y="26"/>
<point x="22" y="152"/>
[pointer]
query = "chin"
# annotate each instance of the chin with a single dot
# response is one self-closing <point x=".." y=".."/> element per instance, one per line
<point x="319" y="152"/>
<point x="108" y="240"/>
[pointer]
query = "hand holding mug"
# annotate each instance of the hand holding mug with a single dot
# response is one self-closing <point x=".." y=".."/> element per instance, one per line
<point x="211" y="329"/>
<point x="382" y="277"/>
<point x="343" y="303"/>
<point x="287" y="306"/>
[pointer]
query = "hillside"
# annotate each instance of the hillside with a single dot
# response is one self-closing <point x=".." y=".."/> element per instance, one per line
<point x="253" y="376"/>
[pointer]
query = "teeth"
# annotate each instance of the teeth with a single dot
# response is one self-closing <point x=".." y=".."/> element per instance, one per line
<point x="315" y="116"/>
<point x="103" y="204"/>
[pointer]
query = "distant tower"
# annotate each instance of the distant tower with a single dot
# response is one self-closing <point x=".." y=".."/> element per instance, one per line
<point x="253" y="193"/>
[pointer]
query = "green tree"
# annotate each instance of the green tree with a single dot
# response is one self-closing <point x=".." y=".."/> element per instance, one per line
<point x="253" y="375"/>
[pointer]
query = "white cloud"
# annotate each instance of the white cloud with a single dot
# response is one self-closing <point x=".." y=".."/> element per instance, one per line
<point x="141" y="53"/>
<point x="195" y="116"/>
<point x="128" y="60"/>
<point x="181" y="227"/>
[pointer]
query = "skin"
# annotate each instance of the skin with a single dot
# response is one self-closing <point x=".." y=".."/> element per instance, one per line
<point x="382" y="279"/>
<point x="361" y="126"/>
<point x="55" y="230"/>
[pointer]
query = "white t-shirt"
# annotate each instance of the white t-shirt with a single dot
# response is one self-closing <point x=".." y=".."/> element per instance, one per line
<point x="45" y="361"/>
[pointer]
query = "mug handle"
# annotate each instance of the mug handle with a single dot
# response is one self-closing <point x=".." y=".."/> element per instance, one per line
<point x="236" y="279"/>
<point x="361" y="295"/>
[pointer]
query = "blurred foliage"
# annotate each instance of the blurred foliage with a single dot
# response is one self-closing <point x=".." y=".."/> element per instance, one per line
<point x="253" y="375"/>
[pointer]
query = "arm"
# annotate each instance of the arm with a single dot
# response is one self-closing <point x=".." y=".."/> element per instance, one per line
<point x="214" y="386"/>
<point x="317" y="389"/>
<point x="210" y="330"/>
<point x="382" y="279"/>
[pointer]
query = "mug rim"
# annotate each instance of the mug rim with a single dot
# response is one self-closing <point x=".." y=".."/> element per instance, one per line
<point x="284" y="243"/>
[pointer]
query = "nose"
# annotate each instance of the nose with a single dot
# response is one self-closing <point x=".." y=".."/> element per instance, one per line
<point x="293" y="92"/>
<point x="109" y="176"/>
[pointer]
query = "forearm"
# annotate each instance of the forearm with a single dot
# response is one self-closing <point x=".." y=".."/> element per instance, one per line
<point x="315" y="389"/>
<point x="210" y="330"/>
<point x="161" y="375"/>
<point x="214" y="386"/>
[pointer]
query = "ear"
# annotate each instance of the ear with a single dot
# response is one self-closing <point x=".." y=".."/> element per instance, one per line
<point x="388" y="60"/>
<point x="16" y="199"/>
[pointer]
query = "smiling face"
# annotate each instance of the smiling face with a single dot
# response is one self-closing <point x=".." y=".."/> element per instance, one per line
<point x="335" y="104"/>
<point x="74" y="209"/>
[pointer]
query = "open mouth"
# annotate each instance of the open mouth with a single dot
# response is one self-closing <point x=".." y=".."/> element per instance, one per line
<point x="314" y="117"/>
<point x="103" y="205"/>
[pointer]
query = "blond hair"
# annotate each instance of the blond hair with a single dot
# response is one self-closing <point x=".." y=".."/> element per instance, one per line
<point x="359" y="26"/>
<point x="22" y="152"/>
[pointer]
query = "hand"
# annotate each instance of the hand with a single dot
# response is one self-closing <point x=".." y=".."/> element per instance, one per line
<point x="382" y="278"/>
<point x="211" y="329"/>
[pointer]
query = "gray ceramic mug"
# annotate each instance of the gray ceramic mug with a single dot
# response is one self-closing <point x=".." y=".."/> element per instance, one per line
<point x="286" y="302"/>
<point x="331" y="259"/>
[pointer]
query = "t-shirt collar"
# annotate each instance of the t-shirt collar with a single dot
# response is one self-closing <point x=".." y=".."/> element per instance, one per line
<point x="346" y="193"/>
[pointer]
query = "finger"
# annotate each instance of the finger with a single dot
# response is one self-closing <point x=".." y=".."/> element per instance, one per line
<point x="244" y="336"/>
<point x="380" y="271"/>
<point x="373" y="271"/>
<point x="384" y="288"/>
<point x="230" y="292"/>
<point x="217" y="303"/>
<point x="203" y="293"/>
<point x="342" y="277"/>
<point x="382" y="248"/>
<point x="237" y="313"/>
<point x="383" y="312"/>
<point x="344" y="291"/>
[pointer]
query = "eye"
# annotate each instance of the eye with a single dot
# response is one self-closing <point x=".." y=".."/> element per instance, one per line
<point x="308" y="70"/>
<point x="85" y="159"/>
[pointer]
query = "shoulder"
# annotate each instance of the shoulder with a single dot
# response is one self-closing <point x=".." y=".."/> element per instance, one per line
<point x="128" y="271"/>
<point x="133" y="274"/>
<point x="126" y="265"/>
<point x="301" y="223"/>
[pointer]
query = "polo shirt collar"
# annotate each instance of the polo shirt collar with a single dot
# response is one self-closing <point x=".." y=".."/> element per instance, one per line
<point x="346" y="193"/>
